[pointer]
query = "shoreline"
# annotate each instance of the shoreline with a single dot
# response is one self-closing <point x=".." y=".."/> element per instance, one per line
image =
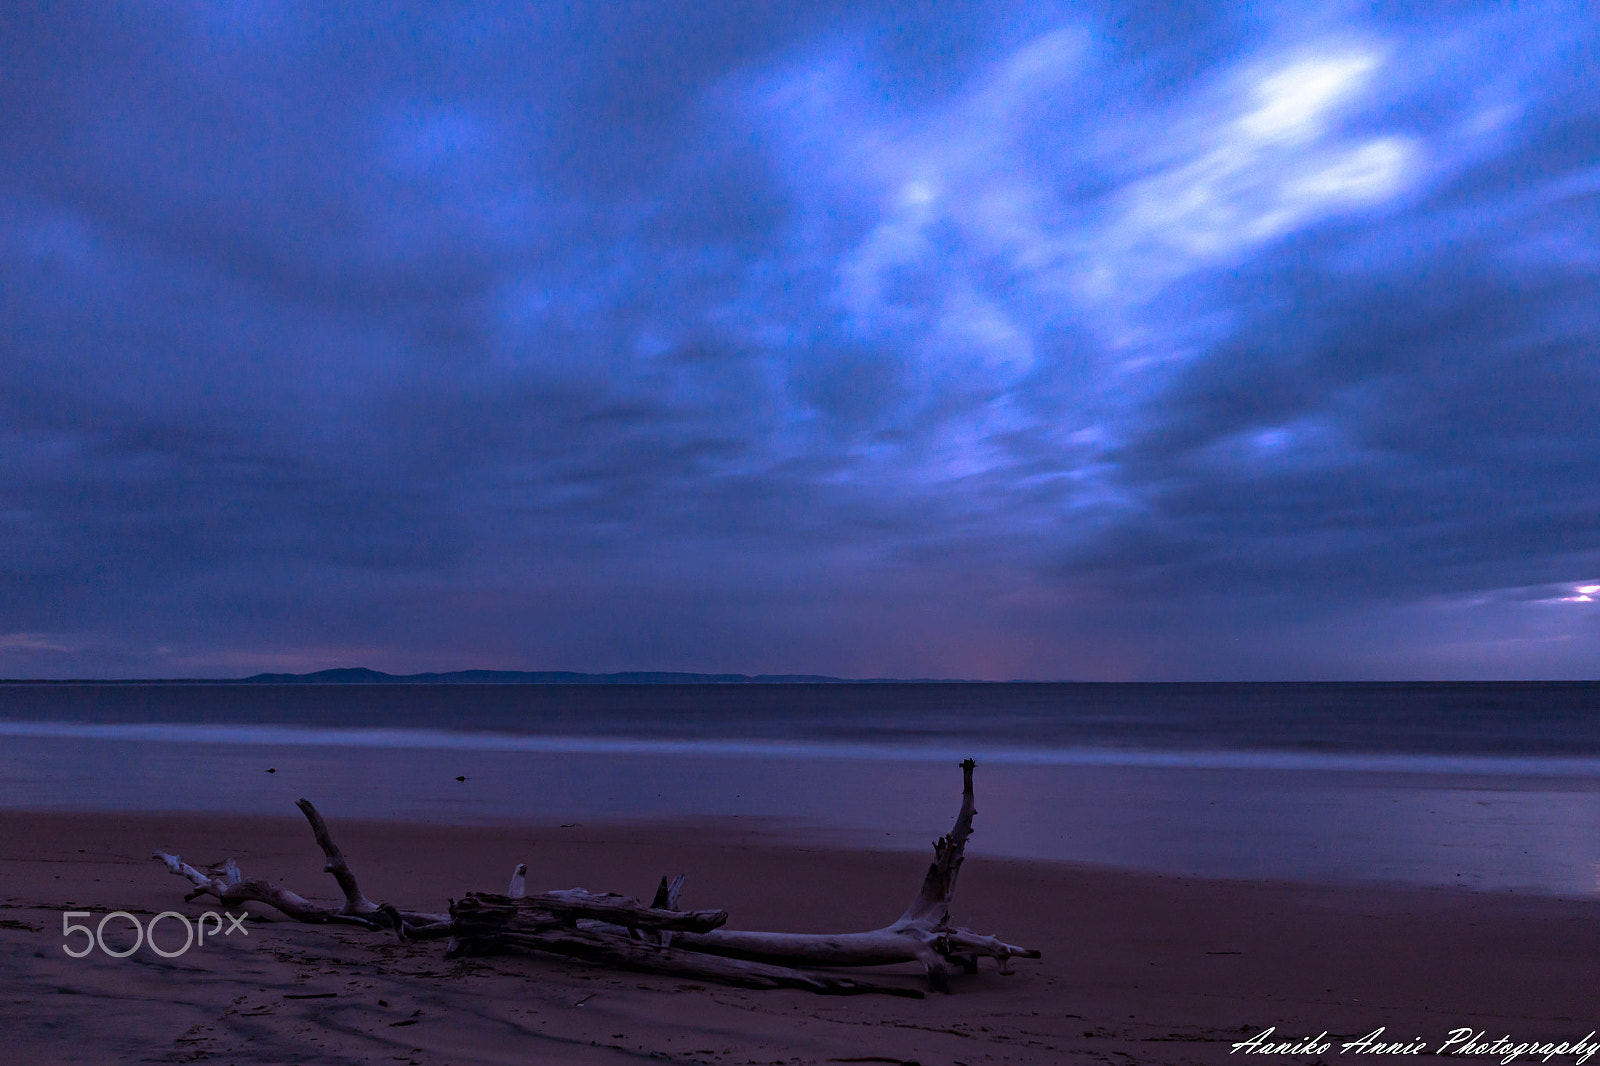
<point x="1501" y="832"/>
<point x="1161" y="968"/>
<point x="762" y="832"/>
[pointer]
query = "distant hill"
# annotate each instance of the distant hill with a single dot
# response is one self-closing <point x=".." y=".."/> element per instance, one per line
<point x="362" y="676"/>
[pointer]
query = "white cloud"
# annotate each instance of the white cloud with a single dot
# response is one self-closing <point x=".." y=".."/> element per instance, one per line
<point x="970" y="221"/>
<point x="1256" y="171"/>
<point x="1296" y="99"/>
<point x="1026" y="204"/>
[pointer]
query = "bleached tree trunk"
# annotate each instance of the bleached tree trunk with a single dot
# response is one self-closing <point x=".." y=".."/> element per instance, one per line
<point x="640" y="955"/>
<point x="922" y="934"/>
<point x="230" y="887"/>
<point x="618" y="931"/>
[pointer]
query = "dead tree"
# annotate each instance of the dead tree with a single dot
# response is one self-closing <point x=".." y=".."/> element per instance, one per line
<point x="230" y="887"/>
<point x="619" y="931"/>
<point x="922" y="934"/>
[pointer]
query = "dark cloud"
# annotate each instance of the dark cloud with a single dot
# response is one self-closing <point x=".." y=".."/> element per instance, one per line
<point x="979" y="339"/>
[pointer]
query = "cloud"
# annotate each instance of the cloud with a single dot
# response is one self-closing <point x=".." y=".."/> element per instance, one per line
<point x="1030" y="340"/>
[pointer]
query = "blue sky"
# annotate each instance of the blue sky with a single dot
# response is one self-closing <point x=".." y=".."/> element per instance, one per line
<point x="963" y="340"/>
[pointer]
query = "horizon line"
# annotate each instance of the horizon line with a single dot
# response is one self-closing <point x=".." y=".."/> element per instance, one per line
<point x="360" y="675"/>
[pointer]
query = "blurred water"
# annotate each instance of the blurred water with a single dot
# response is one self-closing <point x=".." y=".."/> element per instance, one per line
<point x="1483" y="822"/>
<point x="1511" y="718"/>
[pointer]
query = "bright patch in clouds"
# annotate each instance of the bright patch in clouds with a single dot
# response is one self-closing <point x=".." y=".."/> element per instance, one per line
<point x="1295" y="100"/>
<point x="1243" y="181"/>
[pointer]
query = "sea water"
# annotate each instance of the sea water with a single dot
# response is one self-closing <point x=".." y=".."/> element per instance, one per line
<point x="1485" y="786"/>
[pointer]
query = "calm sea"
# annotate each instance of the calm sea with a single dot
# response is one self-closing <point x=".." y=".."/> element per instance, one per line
<point x="1485" y="786"/>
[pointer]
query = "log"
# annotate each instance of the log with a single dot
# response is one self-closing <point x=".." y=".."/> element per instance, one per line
<point x="922" y="934"/>
<point x="487" y="910"/>
<point x="642" y="956"/>
<point x="230" y="887"/>
<point x="616" y="930"/>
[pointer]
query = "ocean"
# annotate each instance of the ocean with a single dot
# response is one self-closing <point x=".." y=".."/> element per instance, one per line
<point x="1485" y="786"/>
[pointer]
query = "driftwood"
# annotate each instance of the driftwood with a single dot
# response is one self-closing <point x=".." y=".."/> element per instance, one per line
<point x="922" y="934"/>
<point x="487" y="910"/>
<point x="628" y="954"/>
<point x="230" y="887"/>
<point x="618" y="931"/>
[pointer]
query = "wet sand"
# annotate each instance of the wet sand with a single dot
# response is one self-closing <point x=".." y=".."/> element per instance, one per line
<point x="1136" y="967"/>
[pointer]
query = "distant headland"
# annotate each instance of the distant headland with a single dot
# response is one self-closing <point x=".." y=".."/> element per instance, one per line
<point x="362" y="676"/>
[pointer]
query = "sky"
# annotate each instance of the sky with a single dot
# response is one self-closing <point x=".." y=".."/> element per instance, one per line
<point x="1096" y="341"/>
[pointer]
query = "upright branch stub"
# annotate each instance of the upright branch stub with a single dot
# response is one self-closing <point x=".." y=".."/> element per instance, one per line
<point x="931" y="907"/>
<point x="666" y="898"/>
<point x="354" y="901"/>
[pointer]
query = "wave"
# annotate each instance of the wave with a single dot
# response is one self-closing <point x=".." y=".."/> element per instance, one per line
<point x="439" y="739"/>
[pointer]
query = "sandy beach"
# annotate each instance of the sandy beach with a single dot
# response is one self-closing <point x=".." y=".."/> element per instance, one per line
<point x="1136" y="967"/>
